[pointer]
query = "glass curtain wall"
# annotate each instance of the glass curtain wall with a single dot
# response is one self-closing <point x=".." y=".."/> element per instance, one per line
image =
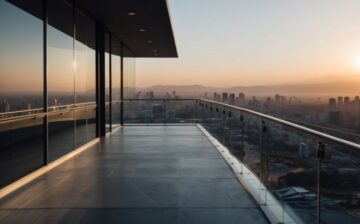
<point x="85" y="79"/>
<point x="115" y="81"/>
<point x="21" y="89"/>
<point x="107" y="81"/>
<point x="71" y="83"/>
<point x="61" y="78"/>
<point x="71" y="78"/>
<point x="129" y="73"/>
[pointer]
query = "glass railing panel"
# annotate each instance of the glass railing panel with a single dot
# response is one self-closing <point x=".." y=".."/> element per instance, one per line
<point x="107" y="117"/>
<point x="21" y="148"/>
<point x="144" y="111"/>
<point x="212" y="119"/>
<point x="115" y="114"/>
<point x="289" y="172"/>
<point x="180" y="111"/>
<point x="251" y="158"/>
<point x="252" y="144"/>
<point x="339" y="184"/>
<point x="160" y="111"/>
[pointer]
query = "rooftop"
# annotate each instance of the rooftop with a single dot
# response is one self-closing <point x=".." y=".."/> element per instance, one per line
<point x="138" y="174"/>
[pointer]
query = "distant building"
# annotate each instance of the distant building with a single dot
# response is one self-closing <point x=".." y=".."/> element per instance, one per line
<point x="225" y="97"/>
<point x="283" y="99"/>
<point x="151" y="95"/>
<point x="5" y="106"/>
<point x="340" y="101"/>
<point x="277" y="99"/>
<point x="357" y="99"/>
<point x="242" y="99"/>
<point x="334" y="117"/>
<point x="216" y="96"/>
<point x="232" y="98"/>
<point x="332" y="103"/>
<point x="297" y="196"/>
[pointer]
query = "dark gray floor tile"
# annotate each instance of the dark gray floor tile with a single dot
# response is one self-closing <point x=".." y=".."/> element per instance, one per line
<point x="136" y="175"/>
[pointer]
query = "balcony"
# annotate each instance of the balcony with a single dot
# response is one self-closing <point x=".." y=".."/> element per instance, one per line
<point x="194" y="161"/>
<point x="138" y="174"/>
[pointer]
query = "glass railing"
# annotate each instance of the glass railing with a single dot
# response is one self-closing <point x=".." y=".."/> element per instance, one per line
<point x="296" y="174"/>
<point x="159" y="111"/>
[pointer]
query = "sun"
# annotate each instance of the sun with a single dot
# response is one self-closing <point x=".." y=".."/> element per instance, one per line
<point x="357" y="62"/>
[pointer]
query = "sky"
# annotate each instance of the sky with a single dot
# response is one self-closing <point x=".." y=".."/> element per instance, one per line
<point x="256" y="42"/>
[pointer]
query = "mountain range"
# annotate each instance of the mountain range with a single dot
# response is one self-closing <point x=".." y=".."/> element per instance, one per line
<point x="321" y="86"/>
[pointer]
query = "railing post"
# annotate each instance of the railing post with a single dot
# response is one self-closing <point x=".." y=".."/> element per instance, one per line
<point x="202" y="112"/>
<point x="223" y="118"/>
<point x="263" y="156"/>
<point x="165" y="115"/>
<point x="45" y="89"/>
<point x="100" y="80"/>
<point x="321" y="156"/>
<point x="229" y="121"/>
<point x="242" y="141"/>
<point x="122" y="107"/>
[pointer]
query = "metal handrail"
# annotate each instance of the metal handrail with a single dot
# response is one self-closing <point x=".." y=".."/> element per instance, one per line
<point x="158" y="99"/>
<point x="241" y="109"/>
<point x="50" y="112"/>
<point x="21" y="111"/>
<point x="42" y="109"/>
<point x="271" y="118"/>
<point x="288" y="124"/>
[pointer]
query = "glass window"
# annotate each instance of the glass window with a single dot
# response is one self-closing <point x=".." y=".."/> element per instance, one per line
<point x="129" y="74"/>
<point x="21" y="58"/>
<point x="85" y="77"/>
<point x="115" y="81"/>
<point x="61" y="76"/>
<point x="21" y="88"/>
<point x="107" y="83"/>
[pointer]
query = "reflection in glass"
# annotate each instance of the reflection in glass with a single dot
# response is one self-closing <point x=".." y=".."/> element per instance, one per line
<point x="21" y="55"/>
<point x="129" y="74"/>
<point x="85" y="59"/>
<point x="91" y="124"/>
<point x="21" y="81"/>
<point x="61" y="76"/>
<point x="61" y="133"/>
<point x="85" y="74"/>
<point x="107" y="83"/>
<point x="115" y="81"/>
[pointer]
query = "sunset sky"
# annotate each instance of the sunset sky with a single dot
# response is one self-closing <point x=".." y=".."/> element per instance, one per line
<point x="247" y="42"/>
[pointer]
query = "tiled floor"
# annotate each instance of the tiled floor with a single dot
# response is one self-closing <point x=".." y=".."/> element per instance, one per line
<point x="139" y="174"/>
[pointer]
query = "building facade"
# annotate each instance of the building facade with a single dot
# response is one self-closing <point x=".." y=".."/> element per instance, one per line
<point x="65" y="67"/>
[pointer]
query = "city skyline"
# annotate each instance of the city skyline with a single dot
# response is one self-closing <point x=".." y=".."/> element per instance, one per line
<point x="258" y="43"/>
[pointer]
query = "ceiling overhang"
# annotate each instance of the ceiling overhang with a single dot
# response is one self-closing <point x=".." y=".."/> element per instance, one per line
<point x="148" y="33"/>
<point x="157" y="38"/>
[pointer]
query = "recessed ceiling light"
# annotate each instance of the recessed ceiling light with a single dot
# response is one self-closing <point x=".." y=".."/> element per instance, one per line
<point x="142" y="29"/>
<point x="149" y="41"/>
<point x="154" y="50"/>
<point x="131" y="13"/>
<point x="156" y="54"/>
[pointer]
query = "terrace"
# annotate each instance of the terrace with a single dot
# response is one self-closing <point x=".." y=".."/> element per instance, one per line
<point x="195" y="161"/>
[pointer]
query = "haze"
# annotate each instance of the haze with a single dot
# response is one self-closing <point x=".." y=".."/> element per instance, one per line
<point x="257" y="42"/>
